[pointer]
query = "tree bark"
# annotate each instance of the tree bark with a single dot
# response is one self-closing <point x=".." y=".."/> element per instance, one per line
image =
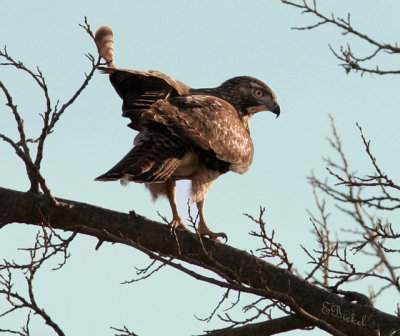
<point x="350" y="318"/>
<point x="267" y="328"/>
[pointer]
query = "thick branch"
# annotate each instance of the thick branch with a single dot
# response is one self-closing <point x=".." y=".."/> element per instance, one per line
<point x="271" y="327"/>
<point x="350" y="318"/>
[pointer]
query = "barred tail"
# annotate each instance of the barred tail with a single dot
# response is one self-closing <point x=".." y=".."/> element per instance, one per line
<point x="104" y="39"/>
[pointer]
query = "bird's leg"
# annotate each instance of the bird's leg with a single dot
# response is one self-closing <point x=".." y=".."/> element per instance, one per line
<point x="177" y="221"/>
<point x="203" y="229"/>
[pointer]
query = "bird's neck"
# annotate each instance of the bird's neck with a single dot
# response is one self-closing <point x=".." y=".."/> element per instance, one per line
<point x="223" y="94"/>
<point x="227" y="96"/>
<point x="209" y="92"/>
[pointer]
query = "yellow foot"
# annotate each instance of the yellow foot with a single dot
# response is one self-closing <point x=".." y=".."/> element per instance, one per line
<point x="213" y="235"/>
<point x="178" y="223"/>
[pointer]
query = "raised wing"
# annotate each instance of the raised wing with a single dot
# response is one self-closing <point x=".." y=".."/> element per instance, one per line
<point x="140" y="89"/>
<point x="207" y="122"/>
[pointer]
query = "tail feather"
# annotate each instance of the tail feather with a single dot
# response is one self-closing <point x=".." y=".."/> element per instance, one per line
<point x="104" y="39"/>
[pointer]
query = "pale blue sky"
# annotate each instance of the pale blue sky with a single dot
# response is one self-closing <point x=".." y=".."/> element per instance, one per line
<point x="202" y="43"/>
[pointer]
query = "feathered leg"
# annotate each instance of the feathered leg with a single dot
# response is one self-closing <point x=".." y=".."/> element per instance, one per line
<point x="168" y="189"/>
<point x="177" y="221"/>
<point x="203" y="229"/>
<point x="201" y="184"/>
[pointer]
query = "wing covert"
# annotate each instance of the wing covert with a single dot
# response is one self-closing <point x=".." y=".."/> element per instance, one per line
<point x="206" y="122"/>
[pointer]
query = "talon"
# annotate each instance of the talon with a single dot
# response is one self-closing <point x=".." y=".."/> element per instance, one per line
<point x="177" y="223"/>
<point x="215" y="235"/>
<point x="204" y="230"/>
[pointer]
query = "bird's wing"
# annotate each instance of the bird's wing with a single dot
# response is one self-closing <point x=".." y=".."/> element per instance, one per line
<point x="207" y="122"/>
<point x="140" y="89"/>
<point x="154" y="158"/>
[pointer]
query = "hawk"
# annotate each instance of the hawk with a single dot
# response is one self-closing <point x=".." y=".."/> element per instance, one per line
<point x="186" y="133"/>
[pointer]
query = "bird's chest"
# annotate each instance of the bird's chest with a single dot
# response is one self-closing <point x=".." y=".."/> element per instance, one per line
<point x="199" y="161"/>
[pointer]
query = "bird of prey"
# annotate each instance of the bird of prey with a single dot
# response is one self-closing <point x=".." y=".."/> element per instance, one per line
<point x="186" y="133"/>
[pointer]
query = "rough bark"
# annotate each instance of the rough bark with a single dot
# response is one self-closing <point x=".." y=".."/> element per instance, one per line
<point x="267" y="328"/>
<point x="350" y="318"/>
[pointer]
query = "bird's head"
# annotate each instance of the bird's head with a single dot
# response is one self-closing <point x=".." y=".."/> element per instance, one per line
<point x="249" y="95"/>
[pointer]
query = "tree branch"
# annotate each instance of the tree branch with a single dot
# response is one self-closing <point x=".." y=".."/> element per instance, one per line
<point x="271" y="327"/>
<point x="346" y="55"/>
<point x="50" y="117"/>
<point x="255" y="274"/>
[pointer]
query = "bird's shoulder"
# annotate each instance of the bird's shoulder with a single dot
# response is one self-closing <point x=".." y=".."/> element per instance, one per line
<point x="207" y="122"/>
<point x="202" y="105"/>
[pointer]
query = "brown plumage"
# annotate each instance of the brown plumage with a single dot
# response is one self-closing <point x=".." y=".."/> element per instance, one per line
<point x="185" y="133"/>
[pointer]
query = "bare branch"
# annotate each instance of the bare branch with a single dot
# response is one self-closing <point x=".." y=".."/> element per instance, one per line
<point x="351" y="62"/>
<point x="368" y="235"/>
<point x="45" y="248"/>
<point x="123" y="332"/>
<point x="146" y="272"/>
<point x="256" y="276"/>
<point x="50" y="118"/>
<point x="271" y="247"/>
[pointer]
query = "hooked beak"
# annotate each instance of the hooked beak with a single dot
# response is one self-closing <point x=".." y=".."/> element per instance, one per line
<point x="276" y="109"/>
<point x="272" y="105"/>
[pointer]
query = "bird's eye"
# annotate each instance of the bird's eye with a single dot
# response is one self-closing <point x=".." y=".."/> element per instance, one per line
<point x="258" y="93"/>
